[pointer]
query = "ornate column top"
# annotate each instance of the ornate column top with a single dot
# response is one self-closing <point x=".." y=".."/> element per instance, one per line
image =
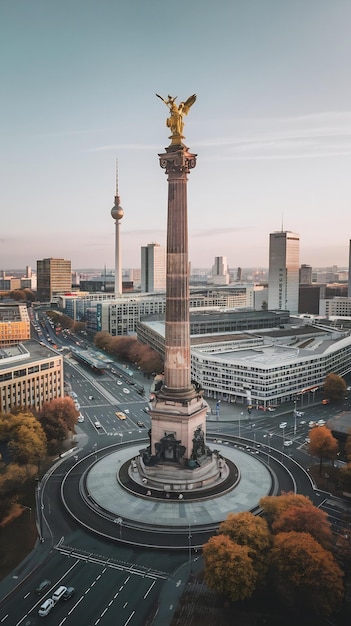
<point x="175" y="120"/>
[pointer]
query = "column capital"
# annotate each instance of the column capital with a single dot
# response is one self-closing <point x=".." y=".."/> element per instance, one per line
<point x="177" y="161"/>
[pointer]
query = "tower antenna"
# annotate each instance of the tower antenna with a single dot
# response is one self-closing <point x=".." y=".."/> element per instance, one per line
<point x="282" y="222"/>
<point x="117" y="178"/>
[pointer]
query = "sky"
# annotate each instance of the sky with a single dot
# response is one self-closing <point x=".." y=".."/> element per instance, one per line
<point x="271" y="127"/>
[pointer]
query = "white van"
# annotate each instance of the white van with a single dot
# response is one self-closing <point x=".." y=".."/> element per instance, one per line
<point x="60" y="591"/>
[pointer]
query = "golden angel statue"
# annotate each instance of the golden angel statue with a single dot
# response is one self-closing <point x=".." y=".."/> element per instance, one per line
<point x="175" y="121"/>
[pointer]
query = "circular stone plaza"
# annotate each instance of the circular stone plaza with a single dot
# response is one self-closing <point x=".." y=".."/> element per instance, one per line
<point x="106" y="494"/>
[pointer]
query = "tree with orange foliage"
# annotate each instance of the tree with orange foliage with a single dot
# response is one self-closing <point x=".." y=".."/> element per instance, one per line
<point x="322" y="444"/>
<point x="58" y="417"/>
<point x="307" y="519"/>
<point x="229" y="568"/>
<point x="305" y="574"/>
<point x="274" y="506"/>
<point x="251" y="531"/>
<point x="334" y="387"/>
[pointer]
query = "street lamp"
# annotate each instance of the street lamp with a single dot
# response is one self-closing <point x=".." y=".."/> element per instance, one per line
<point x="119" y="521"/>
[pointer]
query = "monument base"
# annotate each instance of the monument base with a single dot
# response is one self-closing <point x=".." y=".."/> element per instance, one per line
<point x="171" y="477"/>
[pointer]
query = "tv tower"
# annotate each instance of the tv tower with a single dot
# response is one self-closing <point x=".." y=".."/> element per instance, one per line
<point x="117" y="214"/>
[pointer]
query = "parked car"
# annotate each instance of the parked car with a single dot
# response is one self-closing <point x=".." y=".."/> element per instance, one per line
<point x="91" y="397"/>
<point x="312" y="424"/>
<point x="80" y="418"/>
<point x="126" y="390"/>
<point x="288" y="443"/>
<point x="146" y="409"/>
<point x="46" y="607"/>
<point x="140" y="424"/>
<point x="43" y="585"/>
<point x="321" y="423"/>
<point x="97" y="424"/>
<point x="119" y="382"/>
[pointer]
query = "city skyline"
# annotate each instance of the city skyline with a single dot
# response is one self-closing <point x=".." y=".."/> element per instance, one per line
<point x="271" y="127"/>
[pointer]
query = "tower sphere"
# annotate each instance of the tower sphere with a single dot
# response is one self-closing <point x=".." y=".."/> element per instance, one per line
<point x="117" y="212"/>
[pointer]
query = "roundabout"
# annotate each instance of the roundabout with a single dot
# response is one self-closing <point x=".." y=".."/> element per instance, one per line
<point x="99" y="495"/>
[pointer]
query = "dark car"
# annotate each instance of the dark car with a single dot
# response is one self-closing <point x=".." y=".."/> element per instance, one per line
<point x="43" y="585"/>
<point x="68" y="593"/>
<point x="140" y="424"/>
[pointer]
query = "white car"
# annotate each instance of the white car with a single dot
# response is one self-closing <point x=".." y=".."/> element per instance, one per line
<point x="46" y="607"/>
<point x="288" y="443"/>
<point x="80" y="418"/>
<point x="300" y="413"/>
<point x="321" y="423"/>
<point x="283" y="425"/>
<point x="125" y="390"/>
<point x="312" y="424"/>
<point x="119" y="382"/>
<point x="97" y="424"/>
<point x="126" y="411"/>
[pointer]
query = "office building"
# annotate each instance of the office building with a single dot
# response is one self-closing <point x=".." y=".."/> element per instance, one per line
<point x="53" y="277"/>
<point x="284" y="263"/>
<point x="153" y="268"/>
<point x="220" y="272"/>
<point x="14" y="324"/>
<point x="276" y="362"/>
<point x="30" y="374"/>
<point x="305" y="275"/>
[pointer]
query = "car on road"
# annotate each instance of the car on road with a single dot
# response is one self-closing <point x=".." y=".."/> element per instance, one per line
<point x="325" y="401"/>
<point x="80" y="418"/>
<point x="43" y="585"/>
<point x="126" y="411"/>
<point x="58" y="593"/>
<point x="300" y="413"/>
<point x="121" y="415"/>
<point x="307" y="440"/>
<point x="68" y="593"/>
<point x="283" y="424"/>
<point x="303" y="422"/>
<point x="97" y="424"/>
<point x="46" y="607"/>
<point x="321" y="423"/>
<point x="312" y="424"/>
<point x="91" y="397"/>
<point x="271" y="409"/>
<point x="125" y="390"/>
<point x="140" y="424"/>
<point x="146" y="409"/>
<point x="119" y="382"/>
<point x="288" y="443"/>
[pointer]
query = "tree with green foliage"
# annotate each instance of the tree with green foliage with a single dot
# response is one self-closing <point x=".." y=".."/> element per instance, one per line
<point x="334" y="387"/>
<point x="251" y="531"/>
<point x="305" y="574"/>
<point x="229" y="568"/>
<point x="322" y="444"/>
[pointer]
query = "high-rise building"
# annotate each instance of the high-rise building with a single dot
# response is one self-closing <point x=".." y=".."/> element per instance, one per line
<point x="305" y="275"/>
<point x="153" y="268"/>
<point x="349" y="282"/>
<point x="283" y="278"/>
<point x="220" y="273"/>
<point x="53" y="277"/>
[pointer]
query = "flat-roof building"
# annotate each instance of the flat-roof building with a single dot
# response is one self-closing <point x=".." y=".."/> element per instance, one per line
<point x="30" y="374"/>
<point x="14" y="323"/>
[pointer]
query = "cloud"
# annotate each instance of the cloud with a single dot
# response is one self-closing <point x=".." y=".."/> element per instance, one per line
<point x="310" y="136"/>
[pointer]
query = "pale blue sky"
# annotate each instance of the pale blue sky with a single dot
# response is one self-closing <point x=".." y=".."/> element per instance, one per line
<point x="271" y="127"/>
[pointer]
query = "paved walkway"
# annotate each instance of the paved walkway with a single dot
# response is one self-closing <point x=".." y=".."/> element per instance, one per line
<point x="103" y="486"/>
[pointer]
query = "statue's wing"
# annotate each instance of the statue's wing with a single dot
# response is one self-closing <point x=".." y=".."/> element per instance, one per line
<point x="185" y="106"/>
<point x="163" y="100"/>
